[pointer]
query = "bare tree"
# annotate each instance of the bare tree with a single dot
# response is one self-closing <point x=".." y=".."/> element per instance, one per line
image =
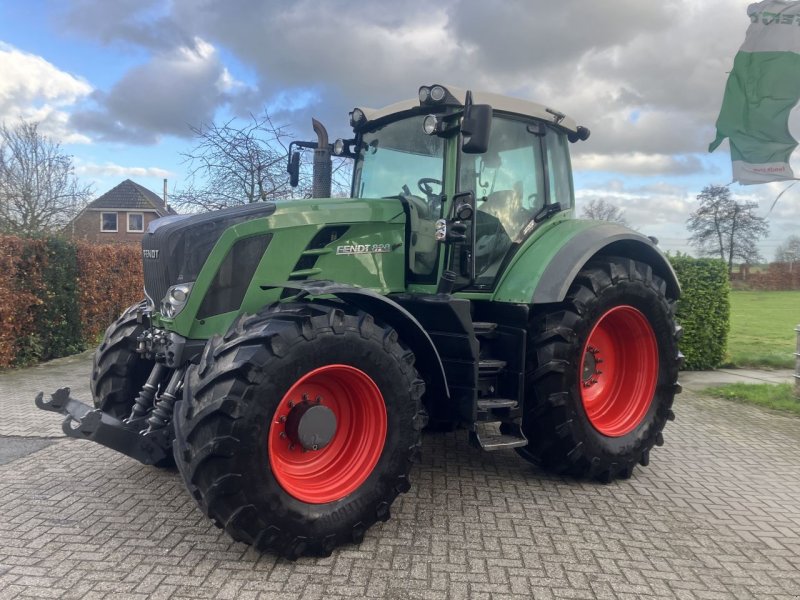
<point x="600" y="209"/>
<point x="789" y="252"/>
<point x="723" y="227"/>
<point x="39" y="192"/>
<point x="236" y="163"/>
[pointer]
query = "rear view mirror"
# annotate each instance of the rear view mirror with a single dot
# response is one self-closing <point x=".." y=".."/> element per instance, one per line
<point x="294" y="169"/>
<point x="475" y="128"/>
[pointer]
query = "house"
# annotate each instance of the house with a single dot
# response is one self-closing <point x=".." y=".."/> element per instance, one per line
<point x="121" y="215"/>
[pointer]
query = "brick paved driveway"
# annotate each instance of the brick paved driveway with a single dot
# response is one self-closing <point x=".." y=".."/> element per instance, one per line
<point x="717" y="515"/>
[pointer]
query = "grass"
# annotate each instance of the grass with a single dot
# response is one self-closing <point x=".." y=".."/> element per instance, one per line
<point x="775" y="396"/>
<point x="762" y="329"/>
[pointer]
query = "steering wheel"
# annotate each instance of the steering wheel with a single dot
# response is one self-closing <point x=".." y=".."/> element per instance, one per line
<point x="424" y="185"/>
<point x="419" y="203"/>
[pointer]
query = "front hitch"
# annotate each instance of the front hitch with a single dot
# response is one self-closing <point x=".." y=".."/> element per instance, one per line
<point x="86" y="423"/>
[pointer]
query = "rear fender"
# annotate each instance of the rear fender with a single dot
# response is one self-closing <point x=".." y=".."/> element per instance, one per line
<point x="565" y="250"/>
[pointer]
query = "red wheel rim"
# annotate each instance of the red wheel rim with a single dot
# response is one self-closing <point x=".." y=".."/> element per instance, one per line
<point x="619" y="371"/>
<point x="332" y="472"/>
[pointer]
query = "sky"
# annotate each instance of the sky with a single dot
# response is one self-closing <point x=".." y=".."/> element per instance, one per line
<point x="120" y="82"/>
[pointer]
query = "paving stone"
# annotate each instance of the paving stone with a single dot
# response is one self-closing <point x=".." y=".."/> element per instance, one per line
<point x="716" y="515"/>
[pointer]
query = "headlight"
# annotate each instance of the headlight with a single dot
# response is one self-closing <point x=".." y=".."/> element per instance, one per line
<point x="175" y="299"/>
<point x="339" y="147"/>
<point x="437" y="93"/>
<point x="430" y="124"/>
<point x="357" y="117"/>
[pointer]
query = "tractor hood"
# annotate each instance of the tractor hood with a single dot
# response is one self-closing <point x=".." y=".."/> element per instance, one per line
<point x="293" y="234"/>
<point x="175" y="248"/>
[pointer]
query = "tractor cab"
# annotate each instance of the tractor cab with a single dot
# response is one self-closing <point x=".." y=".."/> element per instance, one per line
<point x="505" y="159"/>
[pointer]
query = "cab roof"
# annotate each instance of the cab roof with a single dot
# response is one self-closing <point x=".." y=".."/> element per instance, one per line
<point x="498" y="102"/>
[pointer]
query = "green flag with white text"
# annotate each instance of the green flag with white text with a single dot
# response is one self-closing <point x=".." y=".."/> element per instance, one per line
<point x="762" y="90"/>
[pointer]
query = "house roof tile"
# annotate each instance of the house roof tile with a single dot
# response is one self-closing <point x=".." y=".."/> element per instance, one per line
<point x="129" y="195"/>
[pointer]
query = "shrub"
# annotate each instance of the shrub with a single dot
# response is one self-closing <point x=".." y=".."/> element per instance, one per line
<point x="57" y="320"/>
<point x="57" y="297"/>
<point x="20" y="294"/>
<point x="110" y="279"/>
<point x="703" y="310"/>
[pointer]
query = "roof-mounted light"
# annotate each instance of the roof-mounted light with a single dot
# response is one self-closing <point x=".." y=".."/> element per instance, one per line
<point x="357" y="118"/>
<point x="430" y="124"/>
<point x="436" y="95"/>
<point x="580" y="135"/>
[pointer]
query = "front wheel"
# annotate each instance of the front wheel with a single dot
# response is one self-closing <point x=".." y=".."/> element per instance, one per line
<point x="118" y="371"/>
<point x="602" y="372"/>
<point x="299" y="427"/>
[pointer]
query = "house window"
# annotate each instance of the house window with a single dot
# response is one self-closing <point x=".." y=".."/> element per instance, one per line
<point x="136" y="222"/>
<point x="108" y="221"/>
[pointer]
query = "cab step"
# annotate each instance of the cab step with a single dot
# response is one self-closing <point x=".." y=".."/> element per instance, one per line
<point x="488" y="436"/>
<point x="488" y="404"/>
<point x="484" y="329"/>
<point x="490" y="366"/>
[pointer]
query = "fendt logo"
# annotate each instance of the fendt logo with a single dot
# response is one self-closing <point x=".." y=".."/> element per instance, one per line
<point x="150" y="253"/>
<point x="364" y="249"/>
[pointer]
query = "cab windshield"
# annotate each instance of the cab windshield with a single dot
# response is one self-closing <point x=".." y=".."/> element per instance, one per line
<point x="399" y="159"/>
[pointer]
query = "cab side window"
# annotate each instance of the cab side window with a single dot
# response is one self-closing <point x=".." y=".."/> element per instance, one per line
<point x="559" y="172"/>
<point x="508" y="183"/>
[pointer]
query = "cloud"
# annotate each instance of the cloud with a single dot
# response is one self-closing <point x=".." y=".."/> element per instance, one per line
<point x="33" y="89"/>
<point x="109" y="169"/>
<point x="646" y="77"/>
<point x="639" y="163"/>
<point x="134" y="23"/>
<point x="174" y="90"/>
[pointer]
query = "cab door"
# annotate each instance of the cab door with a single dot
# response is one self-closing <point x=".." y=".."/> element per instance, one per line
<point x="508" y="182"/>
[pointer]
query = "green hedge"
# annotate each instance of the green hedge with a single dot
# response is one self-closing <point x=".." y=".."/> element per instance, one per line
<point x="703" y="311"/>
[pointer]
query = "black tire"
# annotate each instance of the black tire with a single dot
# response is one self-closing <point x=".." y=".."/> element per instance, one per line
<point x="118" y="371"/>
<point x="562" y="437"/>
<point x="223" y="424"/>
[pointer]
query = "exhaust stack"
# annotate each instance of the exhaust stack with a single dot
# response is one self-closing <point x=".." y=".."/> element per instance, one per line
<point x="321" y="184"/>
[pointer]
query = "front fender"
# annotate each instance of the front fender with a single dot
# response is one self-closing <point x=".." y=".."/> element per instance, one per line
<point x="428" y="362"/>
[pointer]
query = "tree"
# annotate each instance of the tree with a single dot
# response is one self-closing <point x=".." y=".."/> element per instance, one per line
<point x="789" y="252"/>
<point x="39" y="192"/>
<point x="602" y="210"/>
<point x="237" y="162"/>
<point x="724" y="227"/>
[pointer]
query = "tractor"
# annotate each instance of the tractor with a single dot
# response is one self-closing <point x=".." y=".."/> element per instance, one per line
<point x="289" y="353"/>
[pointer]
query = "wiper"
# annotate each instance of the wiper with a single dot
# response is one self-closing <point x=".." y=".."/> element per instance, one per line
<point x="547" y="211"/>
<point x="544" y="213"/>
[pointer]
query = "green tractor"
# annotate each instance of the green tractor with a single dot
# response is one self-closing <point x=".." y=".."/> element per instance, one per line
<point x="289" y="354"/>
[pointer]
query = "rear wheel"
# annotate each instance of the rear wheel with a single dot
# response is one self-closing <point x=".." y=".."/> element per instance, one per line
<point x="118" y="371"/>
<point x="299" y="427"/>
<point x="602" y="373"/>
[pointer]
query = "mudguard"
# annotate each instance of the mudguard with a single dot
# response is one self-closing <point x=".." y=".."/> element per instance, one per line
<point x="543" y="271"/>
<point x="428" y="362"/>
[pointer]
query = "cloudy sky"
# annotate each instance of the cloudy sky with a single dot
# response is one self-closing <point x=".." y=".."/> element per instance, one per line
<point x="119" y="82"/>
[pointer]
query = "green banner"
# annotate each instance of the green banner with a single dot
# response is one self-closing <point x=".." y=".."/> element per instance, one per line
<point x="762" y="90"/>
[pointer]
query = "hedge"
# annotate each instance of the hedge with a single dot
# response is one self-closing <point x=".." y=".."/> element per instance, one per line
<point x="57" y="296"/>
<point x="703" y="310"/>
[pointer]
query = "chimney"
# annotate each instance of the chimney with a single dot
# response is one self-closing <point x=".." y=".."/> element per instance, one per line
<point x="166" y="201"/>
